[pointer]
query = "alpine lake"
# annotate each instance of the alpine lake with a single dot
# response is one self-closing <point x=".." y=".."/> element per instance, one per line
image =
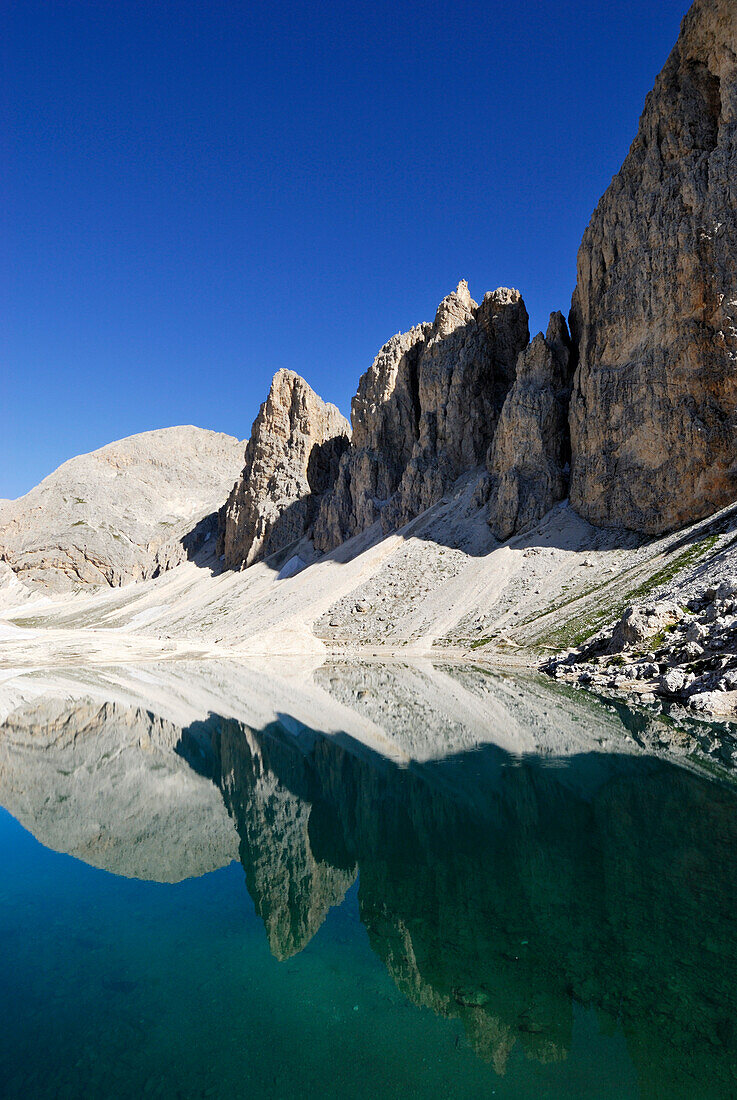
<point x="357" y="880"/>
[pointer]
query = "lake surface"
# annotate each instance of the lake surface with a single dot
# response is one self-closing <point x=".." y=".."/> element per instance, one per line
<point x="196" y="904"/>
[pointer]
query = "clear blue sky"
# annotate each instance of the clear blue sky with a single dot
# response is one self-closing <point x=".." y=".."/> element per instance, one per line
<point x="199" y="192"/>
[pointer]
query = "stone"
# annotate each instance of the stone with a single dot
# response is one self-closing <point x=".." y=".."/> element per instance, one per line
<point x="639" y="624"/>
<point x="654" y="404"/>
<point x="705" y="701"/>
<point x="123" y="513"/>
<point x="727" y="589"/>
<point x="528" y="461"/>
<point x="291" y="459"/>
<point x="425" y="413"/>
<point x="697" y="633"/>
<point x="673" y="681"/>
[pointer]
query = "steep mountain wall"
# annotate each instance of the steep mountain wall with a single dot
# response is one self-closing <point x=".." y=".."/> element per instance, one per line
<point x="654" y="408"/>
<point x="529" y="458"/>
<point x="425" y="412"/>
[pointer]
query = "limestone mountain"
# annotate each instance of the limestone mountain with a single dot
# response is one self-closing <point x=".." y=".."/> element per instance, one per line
<point x="529" y="458"/>
<point x="122" y="513"/>
<point x="654" y="408"/>
<point x="425" y="413"/>
<point x="291" y="459"/>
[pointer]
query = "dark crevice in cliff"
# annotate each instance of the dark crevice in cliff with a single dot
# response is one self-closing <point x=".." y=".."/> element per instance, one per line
<point x="413" y="384"/>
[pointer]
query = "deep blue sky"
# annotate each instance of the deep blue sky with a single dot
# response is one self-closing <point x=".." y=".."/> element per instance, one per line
<point x="199" y="193"/>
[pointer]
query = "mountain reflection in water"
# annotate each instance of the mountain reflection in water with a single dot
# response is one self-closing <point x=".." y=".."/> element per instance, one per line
<point x="497" y="888"/>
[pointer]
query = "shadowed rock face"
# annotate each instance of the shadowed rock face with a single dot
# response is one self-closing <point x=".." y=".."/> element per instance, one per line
<point x="425" y="413"/>
<point x="654" y="407"/>
<point x="529" y="459"/>
<point x="292" y="888"/>
<point x="123" y="513"/>
<point x="291" y="459"/>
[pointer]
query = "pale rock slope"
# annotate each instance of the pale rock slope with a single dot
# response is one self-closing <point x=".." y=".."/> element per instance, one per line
<point x="122" y="513"/>
<point x="654" y="408"/>
<point x="291" y="459"/>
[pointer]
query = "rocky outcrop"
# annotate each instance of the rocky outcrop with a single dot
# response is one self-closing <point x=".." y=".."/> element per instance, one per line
<point x="683" y="650"/>
<point x="425" y="412"/>
<point x="291" y="459"/>
<point x="529" y="458"/>
<point x="654" y="408"/>
<point x="124" y="513"/>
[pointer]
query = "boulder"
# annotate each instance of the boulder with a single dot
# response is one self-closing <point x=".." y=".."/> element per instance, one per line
<point x="639" y="624"/>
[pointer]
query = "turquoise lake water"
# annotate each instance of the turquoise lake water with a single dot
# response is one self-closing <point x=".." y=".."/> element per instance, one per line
<point x="481" y="924"/>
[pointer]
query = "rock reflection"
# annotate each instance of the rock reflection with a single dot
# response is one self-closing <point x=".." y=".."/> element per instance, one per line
<point x="292" y="885"/>
<point x="607" y="882"/>
<point x="498" y="888"/>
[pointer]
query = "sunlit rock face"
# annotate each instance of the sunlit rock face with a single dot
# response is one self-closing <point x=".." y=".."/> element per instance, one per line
<point x="124" y="513"/>
<point x="291" y="460"/>
<point x="425" y="412"/>
<point x="654" y="408"/>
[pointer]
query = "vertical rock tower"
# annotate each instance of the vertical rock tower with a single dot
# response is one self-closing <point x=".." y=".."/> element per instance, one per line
<point x="425" y="413"/>
<point x="291" y="459"/>
<point x="529" y="459"/>
<point x="654" y="406"/>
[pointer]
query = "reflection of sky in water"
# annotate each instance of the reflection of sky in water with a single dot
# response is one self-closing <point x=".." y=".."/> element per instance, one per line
<point x="477" y="925"/>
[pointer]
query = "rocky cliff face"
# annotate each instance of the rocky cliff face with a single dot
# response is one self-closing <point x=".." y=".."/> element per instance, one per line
<point x="123" y="513"/>
<point x="425" y="412"/>
<point x="529" y="458"/>
<point x="654" y="409"/>
<point x="291" y="459"/>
